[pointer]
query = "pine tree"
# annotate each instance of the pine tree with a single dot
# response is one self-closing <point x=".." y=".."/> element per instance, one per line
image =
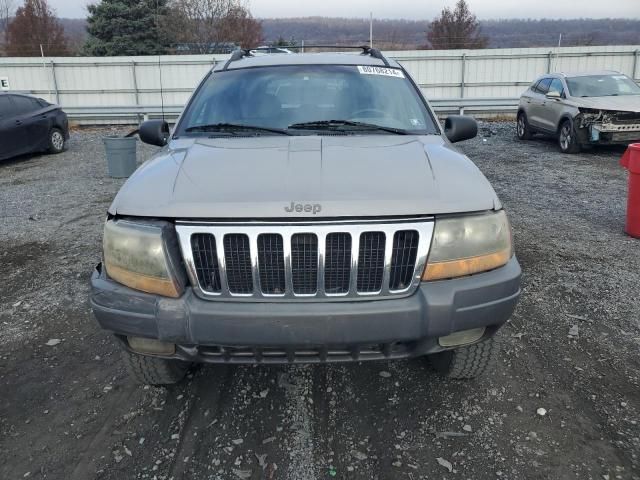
<point x="127" y="27"/>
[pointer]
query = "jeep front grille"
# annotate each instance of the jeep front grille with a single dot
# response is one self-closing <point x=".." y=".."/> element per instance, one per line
<point x="305" y="261"/>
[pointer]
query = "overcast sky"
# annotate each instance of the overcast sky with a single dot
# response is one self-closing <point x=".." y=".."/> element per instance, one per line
<point x="415" y="9"/>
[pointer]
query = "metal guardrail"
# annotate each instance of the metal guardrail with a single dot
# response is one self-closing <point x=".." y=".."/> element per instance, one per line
<point x="134" y="79"/>
<point x="136" y="113"/>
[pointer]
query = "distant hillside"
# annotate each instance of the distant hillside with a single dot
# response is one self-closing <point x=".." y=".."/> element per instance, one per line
<point x="401" y="34"/>
<point x="411" y="34"/>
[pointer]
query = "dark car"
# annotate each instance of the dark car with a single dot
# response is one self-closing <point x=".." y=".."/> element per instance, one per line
<point x="29" y="124"/>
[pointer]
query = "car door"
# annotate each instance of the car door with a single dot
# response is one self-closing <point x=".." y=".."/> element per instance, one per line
<point x="551" y="109"/>
<point x="35" y="120"/>
<point x="537" y="101"/>
<point x="13" y="135"/>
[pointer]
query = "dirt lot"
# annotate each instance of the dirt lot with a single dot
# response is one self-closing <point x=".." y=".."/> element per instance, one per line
<point x="69" y="411"/>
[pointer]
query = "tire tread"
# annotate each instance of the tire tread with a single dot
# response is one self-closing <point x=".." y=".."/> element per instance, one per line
<point x="471" y="361"/>
<point x="154" y="371"/>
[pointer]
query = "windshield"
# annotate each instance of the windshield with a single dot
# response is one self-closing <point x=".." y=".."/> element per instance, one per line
<point x="279" y="97"/>
<point x="602" y="86"/>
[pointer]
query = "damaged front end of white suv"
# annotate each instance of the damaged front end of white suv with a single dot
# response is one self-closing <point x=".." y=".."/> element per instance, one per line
<point x="608" y="126"/>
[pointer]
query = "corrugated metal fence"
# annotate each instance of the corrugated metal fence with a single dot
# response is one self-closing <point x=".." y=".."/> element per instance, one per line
<point x="125" y="88"/>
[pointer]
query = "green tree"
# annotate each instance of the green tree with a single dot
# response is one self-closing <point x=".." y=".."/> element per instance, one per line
<point x="127" y="27"/>
<point x="456" y="29"/>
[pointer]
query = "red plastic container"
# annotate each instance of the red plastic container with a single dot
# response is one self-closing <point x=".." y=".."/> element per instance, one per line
<point x="631" y="161"/>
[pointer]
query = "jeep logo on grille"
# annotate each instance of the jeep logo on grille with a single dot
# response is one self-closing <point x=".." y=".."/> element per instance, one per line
<point x="303" y="207"/>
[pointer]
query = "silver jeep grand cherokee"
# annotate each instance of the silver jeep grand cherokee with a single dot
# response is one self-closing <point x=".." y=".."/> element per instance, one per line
<point x="306" y="208"/>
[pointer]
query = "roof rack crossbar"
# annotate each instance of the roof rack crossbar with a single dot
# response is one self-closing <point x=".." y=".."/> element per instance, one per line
<point x="375" y="53"/>
<point x="366" y="50"/>
<point x="237" y="55"/>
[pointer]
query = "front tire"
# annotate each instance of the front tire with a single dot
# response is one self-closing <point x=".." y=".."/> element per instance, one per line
<point x="146" y="370"/>
<point x="567" y="138"/>
<point x="523" y="130"/>
<point x="466" y="362"/>
<point x="56" y="141"/>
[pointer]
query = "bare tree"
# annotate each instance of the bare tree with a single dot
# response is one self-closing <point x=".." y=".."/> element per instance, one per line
<point x="34" y="25"/>
<point x="205" y="24"/>
<point x="7" y="8"/>
<point x="240" y="27"/>
<point x="456" y="29"/>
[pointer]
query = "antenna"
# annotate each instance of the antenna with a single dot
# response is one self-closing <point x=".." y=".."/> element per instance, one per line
<point x="161" y="89"/>
<point x="370" y="29"/>
<point x="159" y="61"/>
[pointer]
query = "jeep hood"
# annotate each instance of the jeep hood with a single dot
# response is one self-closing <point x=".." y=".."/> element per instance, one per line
<point x="348" y="176"/>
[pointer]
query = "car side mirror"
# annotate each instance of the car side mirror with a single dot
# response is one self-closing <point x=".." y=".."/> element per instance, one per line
<point x="154" y="132"/>
<point x="460" y="127"/>
<point x="553" y="94"/>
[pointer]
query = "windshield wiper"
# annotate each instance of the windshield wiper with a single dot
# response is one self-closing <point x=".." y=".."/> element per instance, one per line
<point x="340" y="124"/>
<point x="234" y="127"/>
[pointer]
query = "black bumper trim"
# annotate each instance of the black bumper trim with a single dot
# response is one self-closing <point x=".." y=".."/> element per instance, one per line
<point x="436" y="309"/>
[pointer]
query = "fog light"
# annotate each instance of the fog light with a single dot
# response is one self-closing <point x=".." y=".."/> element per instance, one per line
<point x="151" y="346"/>
<point x="462" y="337"/>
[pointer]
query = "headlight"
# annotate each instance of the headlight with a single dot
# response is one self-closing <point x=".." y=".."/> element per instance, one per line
<point x="467" y="245"/>
<point x="137" y="256"/>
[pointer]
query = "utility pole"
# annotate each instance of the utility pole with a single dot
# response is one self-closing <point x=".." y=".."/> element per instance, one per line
<point x="560" y="41"/>
<point x="370" y="29"/>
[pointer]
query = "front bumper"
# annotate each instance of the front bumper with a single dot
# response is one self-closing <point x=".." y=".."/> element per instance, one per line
<point x="244" y="332"/>
<point x="603" y="136"/>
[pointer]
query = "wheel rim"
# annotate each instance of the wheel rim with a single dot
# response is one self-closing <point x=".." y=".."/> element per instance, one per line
<point x="565" y="137"/>
<point x="521" y="126"/>
<point x="57" y="140"/>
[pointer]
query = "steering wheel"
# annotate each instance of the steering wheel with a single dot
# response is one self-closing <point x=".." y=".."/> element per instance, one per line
<point x="364" y="111"/>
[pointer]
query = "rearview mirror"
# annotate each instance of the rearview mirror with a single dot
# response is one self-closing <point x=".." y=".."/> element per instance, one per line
<point x="460" y="127"/>
<point x="553" y="94"/>
<point x="154" y="132"/>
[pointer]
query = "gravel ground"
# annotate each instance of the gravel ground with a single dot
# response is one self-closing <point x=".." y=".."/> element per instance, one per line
<point x="69" y="411"/>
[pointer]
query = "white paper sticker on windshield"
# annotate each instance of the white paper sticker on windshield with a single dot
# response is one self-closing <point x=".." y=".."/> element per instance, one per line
<point x="387" y="72"/>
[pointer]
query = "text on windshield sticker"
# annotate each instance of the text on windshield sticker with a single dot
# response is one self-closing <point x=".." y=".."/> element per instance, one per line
<point x="387" y="72"/>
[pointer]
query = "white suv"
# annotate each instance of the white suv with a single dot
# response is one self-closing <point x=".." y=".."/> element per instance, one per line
<point x="581" y="109"/>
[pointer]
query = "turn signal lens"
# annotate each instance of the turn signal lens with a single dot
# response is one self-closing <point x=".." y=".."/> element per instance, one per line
<point x="467" y="245"/>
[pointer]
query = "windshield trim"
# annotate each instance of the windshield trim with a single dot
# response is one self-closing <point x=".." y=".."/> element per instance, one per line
<point x="434" y="119"/>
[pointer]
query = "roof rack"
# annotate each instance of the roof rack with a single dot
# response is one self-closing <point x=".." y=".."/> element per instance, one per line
<point x="237" y="55"/>
<point x="366" y="50"/>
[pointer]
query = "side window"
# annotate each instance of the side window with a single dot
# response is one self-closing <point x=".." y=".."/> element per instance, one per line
<point x="556" y="86"/>
<point x="534" y="86"/>
<point x="24" y="105"/>
<point x="543" y="86"/>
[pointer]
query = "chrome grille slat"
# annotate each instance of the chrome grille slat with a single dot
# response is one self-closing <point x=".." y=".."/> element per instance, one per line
<point x="371" y="262"/>
<point x="337" y="266"/>
<point x="237" y="255"/>
<point x="271" y="263"/>
<point x="203" y="246"/>
<point x="304" y="263"/>
<point x="404" y="251"/>
<point x="311" y="261"/>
